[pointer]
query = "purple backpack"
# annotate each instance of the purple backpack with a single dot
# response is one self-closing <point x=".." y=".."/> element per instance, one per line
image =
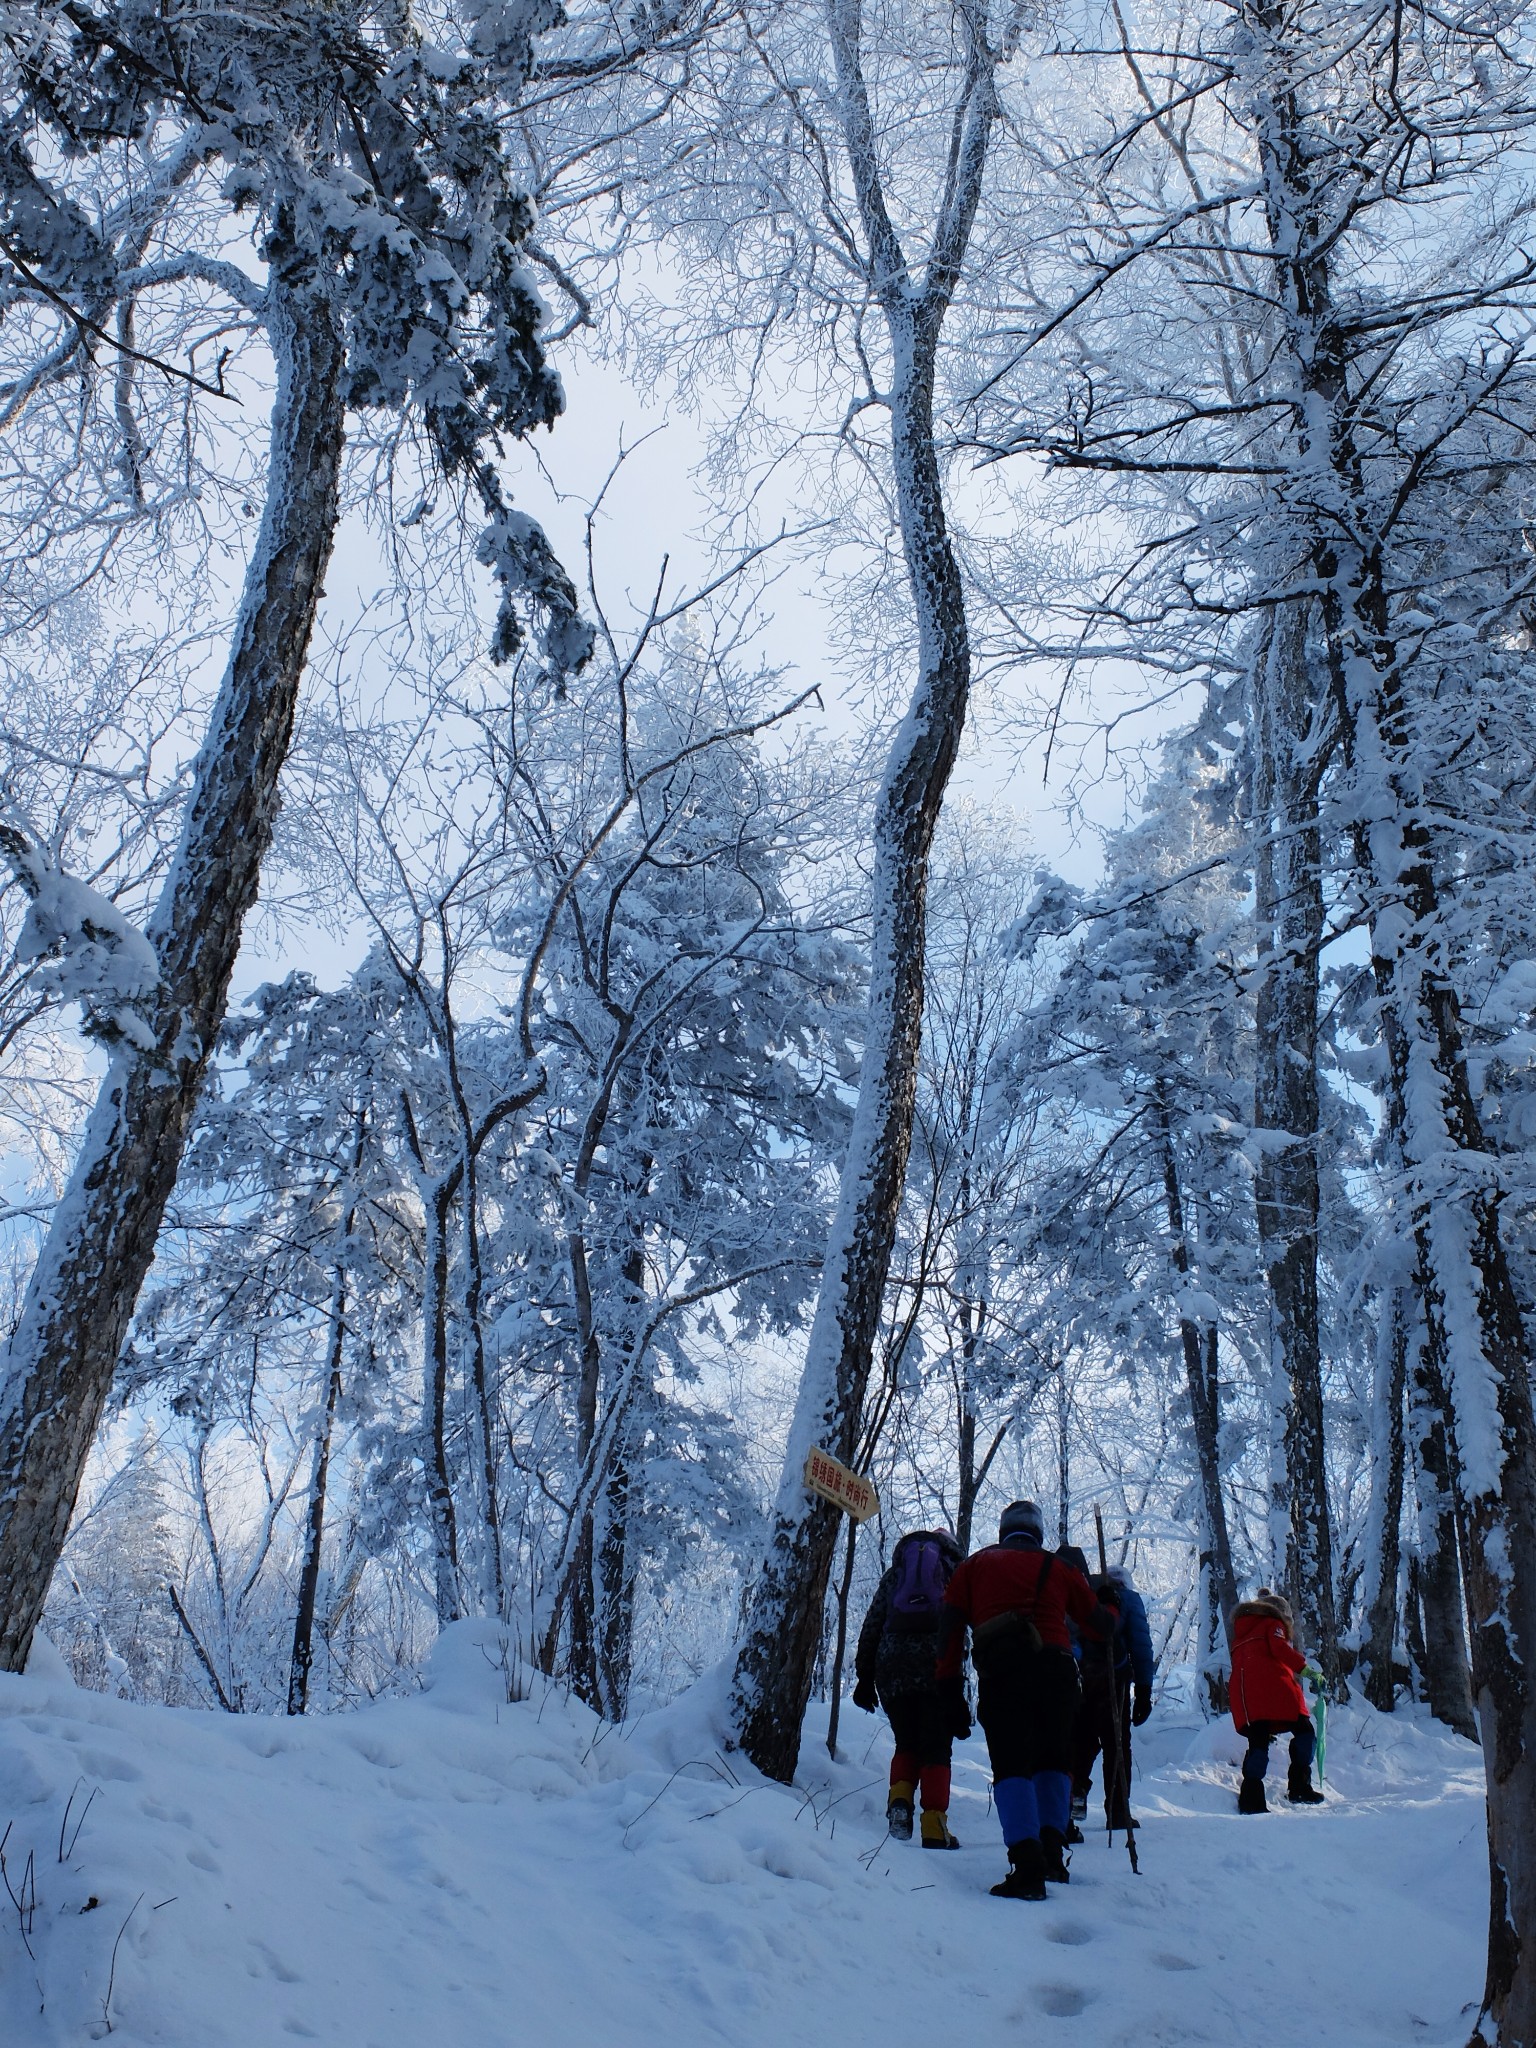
<point x="922" y="1575"/>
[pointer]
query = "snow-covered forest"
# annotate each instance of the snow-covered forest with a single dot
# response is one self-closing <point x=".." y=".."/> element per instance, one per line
<point x="732" y="727"/>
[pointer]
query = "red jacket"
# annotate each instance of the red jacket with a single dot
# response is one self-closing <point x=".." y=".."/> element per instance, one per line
<point x="1264" y="1666"/>
<point x="1008" y="1576"/>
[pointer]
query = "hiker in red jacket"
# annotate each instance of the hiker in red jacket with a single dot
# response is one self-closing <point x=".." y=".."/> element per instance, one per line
<point x="1017" y="1599"/>
<point x="1267" y="1699"/>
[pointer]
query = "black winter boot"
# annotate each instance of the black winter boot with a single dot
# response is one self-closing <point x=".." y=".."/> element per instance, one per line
<point x="1300" y="1790"/>
<point x="1026" y="1874"/>
<point x="1250" y="1796"/>
<point x="1053" y="1848"/>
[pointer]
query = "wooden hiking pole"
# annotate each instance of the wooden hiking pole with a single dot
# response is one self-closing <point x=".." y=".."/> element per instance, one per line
<point x="1115" y="1784"/>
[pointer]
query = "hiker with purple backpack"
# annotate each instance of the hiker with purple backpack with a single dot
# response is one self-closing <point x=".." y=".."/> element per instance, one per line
<point x="894" y="1669"/>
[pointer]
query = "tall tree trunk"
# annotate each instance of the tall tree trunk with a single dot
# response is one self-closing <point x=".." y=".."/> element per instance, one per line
<point x="1476" y="1340"/>
<point x="61" y="1357"/>
<point x="1475" y="1331"/>
<point x="1288" y="894"/>
<point x="968" y="1482"/>
<point x="1202" y="1377"/>
<point x="304" y="1623"/>
<point x="1476" y="1346"/>
<point x="1443" y="1665"/>
<point x="436" y="1199"/>
<point x="618" y="1556"/>
<point x="972" y="1471"/>
<point x="581" y="1654"/>
<point x="1384" y="1557"/>
<point x="493" y="1591"/>
<point x="784" y="1624"/>
<point x="302" y="1659"/>
<point x="1063" y="1456"/>
<point x="840" y="1654"/>
<point x="616" y="1569"/>
<point x="773" y="1673"/>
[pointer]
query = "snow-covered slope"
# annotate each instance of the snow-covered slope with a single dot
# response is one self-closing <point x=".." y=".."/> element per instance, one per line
<point x="455" y="1870"/>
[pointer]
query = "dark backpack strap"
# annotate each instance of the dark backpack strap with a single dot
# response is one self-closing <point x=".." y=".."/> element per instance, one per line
<point x="1049" y="1557"/>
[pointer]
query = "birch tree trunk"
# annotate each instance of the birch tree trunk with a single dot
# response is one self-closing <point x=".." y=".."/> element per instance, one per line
<point x="1202" y="1378"/>
<point x="62" y="1355"/>
<point x="302" y="1659"/>
<point x="1443" y="1662"/>
<point x="784" y="1624"/>
<point x="1384" y="1561"/>
<point x="1289" y="915"/>
<point x="436" y="1202"/>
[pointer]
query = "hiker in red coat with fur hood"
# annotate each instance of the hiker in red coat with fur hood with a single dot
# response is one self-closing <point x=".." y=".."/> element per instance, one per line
<point x="1267" y="1699"/>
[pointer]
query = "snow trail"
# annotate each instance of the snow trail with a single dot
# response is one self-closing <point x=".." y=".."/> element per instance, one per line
<point x="451" y="1868"/>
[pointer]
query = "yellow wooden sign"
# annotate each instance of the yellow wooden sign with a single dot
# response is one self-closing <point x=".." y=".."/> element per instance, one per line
<point x="833" y="1481"/>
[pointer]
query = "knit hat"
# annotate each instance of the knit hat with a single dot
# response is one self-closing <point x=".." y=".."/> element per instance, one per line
<point x="1021" y="1518"/>
<point x="1278" y="1601"/>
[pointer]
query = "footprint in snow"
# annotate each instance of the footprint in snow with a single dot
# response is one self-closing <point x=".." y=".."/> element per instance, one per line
<point x="100" y="1765"/>
<point x="1172" y="1962"/>
<point x="1060" y="2001"/>
<point x="274" y="1965"/>
<point x="177" y="1816"/>
<point x="1069" y="1934"/>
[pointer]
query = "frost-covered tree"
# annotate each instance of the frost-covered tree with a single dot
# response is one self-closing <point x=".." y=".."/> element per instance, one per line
<point x="363" y="172"/>
<point x="1335" y="350"/>
<point x="812" y="204"/>
<point x="1147" y="1035"/>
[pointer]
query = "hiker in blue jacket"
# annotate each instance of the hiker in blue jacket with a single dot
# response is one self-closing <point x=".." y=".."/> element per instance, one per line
<point x="894" y="1668"/>
<point x="1129" y="1666"/>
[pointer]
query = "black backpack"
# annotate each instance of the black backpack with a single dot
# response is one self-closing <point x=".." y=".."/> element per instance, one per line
<point x="1010" y="1641"/>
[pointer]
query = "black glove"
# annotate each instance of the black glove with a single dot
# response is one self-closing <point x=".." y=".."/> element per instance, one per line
<point x="1141" y="1709"/>
<point x="957" y="1708"/>
<point x="865" y="1696"/>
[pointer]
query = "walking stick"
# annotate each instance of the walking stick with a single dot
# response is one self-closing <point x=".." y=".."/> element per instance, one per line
<point x="1114" y="1785"/>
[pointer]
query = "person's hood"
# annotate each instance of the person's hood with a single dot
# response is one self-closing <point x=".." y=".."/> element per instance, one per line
<point x="1252" y="1616"/>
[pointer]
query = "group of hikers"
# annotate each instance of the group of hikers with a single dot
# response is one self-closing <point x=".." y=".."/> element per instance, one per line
<point x="1064" y="1670"/>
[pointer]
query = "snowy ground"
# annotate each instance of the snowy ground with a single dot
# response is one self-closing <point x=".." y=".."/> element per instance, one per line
<point x="455" y="1872"/>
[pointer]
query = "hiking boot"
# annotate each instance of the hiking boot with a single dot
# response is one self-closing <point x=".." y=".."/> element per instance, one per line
<point x="1026" y="1873"/>
<point x="898" y="1813"/>
<point x="1053" y="1848"/>
<point x="1121" y="1821"/>
<point x="1074" y="1834"/>
<point x="1079" y="1810"/>
<point x="936" y="1834"/>
<point x="1250" y="1796"/>
<point x="1301" y="1791"/>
